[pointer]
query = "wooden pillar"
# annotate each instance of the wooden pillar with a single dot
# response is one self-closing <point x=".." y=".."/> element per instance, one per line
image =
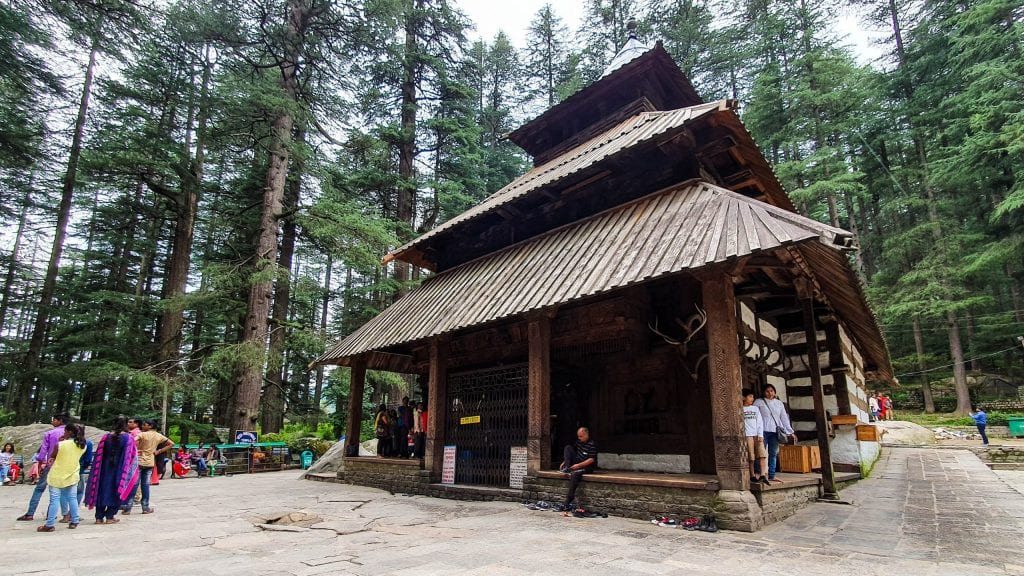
<point x="828" y="479"/>
<point x="437" y="398"/>
<point x="837" y="366"/>
<point x="357" y="383"/>
<point x="538" y="435"/>
<point x="725" y="381"/>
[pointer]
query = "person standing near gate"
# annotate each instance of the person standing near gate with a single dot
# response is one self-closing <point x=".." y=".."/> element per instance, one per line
<point x="419" y="430"/>
<point x="404" y="426"/>
<point x="776" y="424"/>
<point x="578" y="459"/>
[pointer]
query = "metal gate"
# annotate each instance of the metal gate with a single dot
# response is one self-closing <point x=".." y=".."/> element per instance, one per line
<point x="486" y="417"/>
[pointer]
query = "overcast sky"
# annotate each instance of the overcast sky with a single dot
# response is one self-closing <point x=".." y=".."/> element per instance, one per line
<point x="514" y="18"/>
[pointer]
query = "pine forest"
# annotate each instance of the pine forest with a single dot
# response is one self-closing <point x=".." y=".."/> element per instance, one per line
<point x="195" y="196"/>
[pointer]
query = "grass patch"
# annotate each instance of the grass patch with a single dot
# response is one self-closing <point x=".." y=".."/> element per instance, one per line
<point x="941" y="420"/>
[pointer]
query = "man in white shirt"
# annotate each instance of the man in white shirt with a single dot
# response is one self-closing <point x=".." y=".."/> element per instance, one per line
<point x="753" y="429"/>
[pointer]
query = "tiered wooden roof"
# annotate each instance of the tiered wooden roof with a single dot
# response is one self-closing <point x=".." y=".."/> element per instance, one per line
<point x="604" y="208"/>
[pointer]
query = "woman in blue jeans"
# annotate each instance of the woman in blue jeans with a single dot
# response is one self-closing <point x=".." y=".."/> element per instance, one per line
<point x="776" y="422"/>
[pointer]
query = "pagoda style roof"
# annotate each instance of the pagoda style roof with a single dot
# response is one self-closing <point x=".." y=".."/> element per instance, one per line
<point x="650" y="77"/>
<point x="743" y="166"/>
<point x="683" y="228"/>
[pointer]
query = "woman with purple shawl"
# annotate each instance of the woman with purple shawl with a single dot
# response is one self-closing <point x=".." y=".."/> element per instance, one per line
<point x="115" y="472"/>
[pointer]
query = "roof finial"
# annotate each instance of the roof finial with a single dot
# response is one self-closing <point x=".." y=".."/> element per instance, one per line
<point x="631" y="27"/>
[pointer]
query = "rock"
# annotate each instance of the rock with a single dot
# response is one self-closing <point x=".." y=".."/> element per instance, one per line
<point x="26" y="439"/>
<point x="903" y="433"/>
<point x="333" y="459"/>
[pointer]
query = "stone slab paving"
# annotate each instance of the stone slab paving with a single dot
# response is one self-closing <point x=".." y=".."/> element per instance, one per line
<point x="924" y="512"/>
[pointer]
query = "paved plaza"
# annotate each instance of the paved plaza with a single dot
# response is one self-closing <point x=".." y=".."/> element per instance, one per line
<point x="923" y="512"/>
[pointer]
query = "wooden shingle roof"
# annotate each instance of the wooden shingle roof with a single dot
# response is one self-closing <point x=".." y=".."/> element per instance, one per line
<point x="683" y="228"/>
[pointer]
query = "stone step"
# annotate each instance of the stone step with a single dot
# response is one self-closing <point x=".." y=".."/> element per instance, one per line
<point x="1005" y="465"/>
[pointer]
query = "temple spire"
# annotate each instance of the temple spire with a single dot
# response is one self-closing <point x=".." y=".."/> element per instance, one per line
<point x="631" y="50"/>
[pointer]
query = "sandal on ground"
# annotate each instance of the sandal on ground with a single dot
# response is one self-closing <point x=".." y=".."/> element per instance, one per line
<point x="112" y="520"/>
<point x="45" y="528"/>
<point x="65" y="519"/>
<point x="148" y="511"/>
<point x="99" y="520"/>
<point x="72" y="525"/>
<point x="25" y="518"/>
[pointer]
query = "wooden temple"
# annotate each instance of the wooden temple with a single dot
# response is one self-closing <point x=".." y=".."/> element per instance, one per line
<point x="646" y="269"/>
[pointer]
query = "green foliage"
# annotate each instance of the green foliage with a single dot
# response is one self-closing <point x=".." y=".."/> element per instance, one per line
<point x="921" y="154"/>
<point x="939" y="420"/>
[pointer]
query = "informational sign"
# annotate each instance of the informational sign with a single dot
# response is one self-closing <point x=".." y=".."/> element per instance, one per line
<point x="448" y="466"/>
<point x="246" y="437"/>
<point x="517" y="467"/>
<point x="469" y="420"/>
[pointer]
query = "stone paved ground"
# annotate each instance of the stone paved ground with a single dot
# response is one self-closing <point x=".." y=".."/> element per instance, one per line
<point x="924" y="512"/>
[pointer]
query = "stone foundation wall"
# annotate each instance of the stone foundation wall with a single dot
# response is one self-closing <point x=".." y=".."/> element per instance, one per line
<point x="1000" y="454"/>
<point x="777" y="505"/>
<point x="399" y="478"/>
<point x="733" y="510"/>
<point x="643" y="502"/>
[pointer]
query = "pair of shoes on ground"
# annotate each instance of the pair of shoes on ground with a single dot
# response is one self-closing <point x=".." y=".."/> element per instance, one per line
<point x="584" y="513"/>
<point x="542" y="505"/>
<point x="707" y="523"/>
<point x="665" y="522"/>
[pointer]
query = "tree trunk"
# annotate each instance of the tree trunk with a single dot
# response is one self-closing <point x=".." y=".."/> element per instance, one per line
<point x="191" y="172"/>
<point x="407" y="146"/>
<point x="272" y="409"/>
<point x="956" y="352"/>
<point x="13" y="267"/>
<point x="324" y="308"/>
<point x="22" y="392"/>
<point x="926" y="389"/>
<point x="971" y="329"/>
<point x="245" y="407"/>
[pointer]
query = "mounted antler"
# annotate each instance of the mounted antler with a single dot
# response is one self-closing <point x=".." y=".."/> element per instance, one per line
<point x="694" y="323"/>
<point x="691" y="326"/>
<point x="761" y="360"/>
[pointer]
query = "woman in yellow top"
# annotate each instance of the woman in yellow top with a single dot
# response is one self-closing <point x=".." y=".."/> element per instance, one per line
<point x="63" y="478"/>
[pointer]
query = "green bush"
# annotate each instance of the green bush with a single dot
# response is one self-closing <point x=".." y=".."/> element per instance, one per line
<point x="319" y="446"/>
<point x="939" y="420"/>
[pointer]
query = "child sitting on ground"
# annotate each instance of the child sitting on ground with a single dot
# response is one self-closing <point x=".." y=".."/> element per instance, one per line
<point x="753" y="429"/>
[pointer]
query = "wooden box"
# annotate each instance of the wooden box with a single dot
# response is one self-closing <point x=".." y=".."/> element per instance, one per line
<point x="844" y="419"/>
<point x="799" y="458"/>
<point x="868" y="433"/>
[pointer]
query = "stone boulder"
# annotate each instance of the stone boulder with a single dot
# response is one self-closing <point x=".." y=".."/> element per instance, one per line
<point x="898" y="432"/>
<point x="333" y="459"/>
<point x="26" y="439"/>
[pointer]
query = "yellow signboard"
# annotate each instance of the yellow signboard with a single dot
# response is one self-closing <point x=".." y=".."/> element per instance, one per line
<point x="469" y="420"/>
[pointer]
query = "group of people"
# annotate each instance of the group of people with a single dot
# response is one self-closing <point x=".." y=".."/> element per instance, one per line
<point x="880" y="406"/>
<point x="401" y="432"/>
<point x="204" y="459"/>
<point x="765" y="422"/>
<point x="108" y="479"/>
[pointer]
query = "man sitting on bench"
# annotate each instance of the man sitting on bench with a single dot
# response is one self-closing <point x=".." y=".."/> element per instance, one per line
<point x="578" y="459"/>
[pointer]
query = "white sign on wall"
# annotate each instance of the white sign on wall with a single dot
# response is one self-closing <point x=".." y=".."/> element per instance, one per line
<point x="448" y="466"/>
<point x="517" y="467"/>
